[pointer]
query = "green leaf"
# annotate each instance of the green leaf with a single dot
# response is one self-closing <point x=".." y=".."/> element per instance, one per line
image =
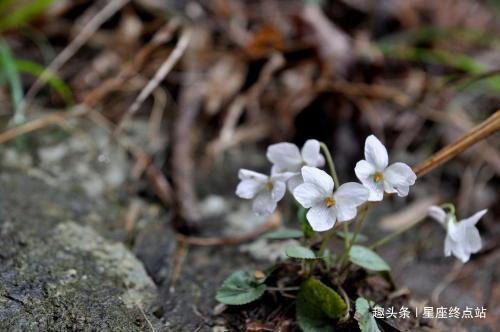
<point x="53" y="80"/>
<point x="239" y="288"/>
<point x="299" y="252"/>
<point x="317" y="304"/>
<point x="284" y="233"/>
<point x="304" y="224"/>
<point x="367" y="258"/>
<point x="366" y="321"/>
<point x="359" y="238"/>
<point x="7" y="65"/>
<point x="15" y="17"/>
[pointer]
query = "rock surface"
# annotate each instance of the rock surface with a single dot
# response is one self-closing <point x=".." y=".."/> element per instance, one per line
<point x="57" y="273"/>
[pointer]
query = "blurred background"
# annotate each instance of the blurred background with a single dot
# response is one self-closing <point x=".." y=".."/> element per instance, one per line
<point x="148" y="108"/>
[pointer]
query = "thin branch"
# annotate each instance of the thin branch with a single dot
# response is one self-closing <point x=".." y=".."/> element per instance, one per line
<point x="272" y="223"/>
<point x="160" y="75"/>
<point x="485" y="129"/>
<point x="55" y="118"/>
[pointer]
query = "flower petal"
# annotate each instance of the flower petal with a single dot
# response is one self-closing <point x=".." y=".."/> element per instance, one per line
<point x="376" y="153"/>
<point x="448" y="242"/>
<point x="398" y="178"/>
<point x="278" y="191"/>
<point x="311" y="153"/>
<point x="285" y="156"/>
<point x="351" y="194"/>
<point x="319" y="178"/>
<point x="249" y="188"/>
<point x="320" y="218"/>
<point x="284" y="176"/>
<point x="472" y="240"/>
<point x="376" y="189"/>
<point x="348" y="197"/>
<point x="472" y="220"/>
<point x="458" y="250"/>
<point x="245" y="174"/>
<point x="437" y="213"/>
<point x="345" y="213"/>
<point x="456" y="231"/>
<point x="364" y="170"/>
<point x="308" y="194"/>
<point x="263" y="204"/>
<point x="294" y="182"/>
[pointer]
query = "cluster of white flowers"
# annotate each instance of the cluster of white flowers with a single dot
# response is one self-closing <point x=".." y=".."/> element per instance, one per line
<point x="314" y="188"/>
<point x="462" y="237"/>
<point x="377" y="177"/>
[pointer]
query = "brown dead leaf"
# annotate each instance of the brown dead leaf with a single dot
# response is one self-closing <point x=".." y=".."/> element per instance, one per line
<point x="266" y="40"/>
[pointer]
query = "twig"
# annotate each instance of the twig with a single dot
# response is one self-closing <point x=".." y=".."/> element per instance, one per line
<point x="88" y="30"/>
<point x="230" y="135"/>
<point x="273" y="222"/>
<point x="159" y="76"/>
<point x="358" y="89"/>
<point x="179" y="260"/>
<point x="131" y="67"/>
<point x="485" y="129"/>
<point x="450" y="277"/>
<point x="247" y="133"/>
<point x="187" y="215"/>
<point x="47" y="120"/>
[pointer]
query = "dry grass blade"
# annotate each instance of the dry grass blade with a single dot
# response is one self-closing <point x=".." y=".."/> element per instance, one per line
<point x="132" y="67"/>
<point x="109" y="10"/>
<point x="51" y="119"/>
<point x="160" y="75"/>
<point x="485" y="129"/>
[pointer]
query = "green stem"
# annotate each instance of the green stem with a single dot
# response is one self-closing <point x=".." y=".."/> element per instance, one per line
<point x="396" y="233"/>
<point x="330" y="163"/>
<point x="450" y="207"/>
<point x="347" y="242"/>
<point x="357" y="229"/>
<point x="326" y="239"/>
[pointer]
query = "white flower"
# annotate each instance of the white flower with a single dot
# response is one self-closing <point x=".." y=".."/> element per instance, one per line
<point x="377" y="177"/>
<point x="265" y="191"/>
<point x="287" y="158"/>
<point x="326" y="206"/>
<point x="462" y="238"/>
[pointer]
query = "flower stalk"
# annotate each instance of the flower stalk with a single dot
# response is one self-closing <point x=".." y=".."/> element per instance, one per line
<point x="331" y="164"/>
<point x="357" y="229"/>
<point x="396" y="233"/>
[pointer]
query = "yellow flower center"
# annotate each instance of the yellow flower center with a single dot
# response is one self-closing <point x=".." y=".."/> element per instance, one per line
<point x="269" y="185"/>
<point x="329" y="202"/>
<point x="378" y="176"/>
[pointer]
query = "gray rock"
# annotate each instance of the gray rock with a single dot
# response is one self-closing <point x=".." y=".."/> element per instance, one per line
<point x="57" y="273"/>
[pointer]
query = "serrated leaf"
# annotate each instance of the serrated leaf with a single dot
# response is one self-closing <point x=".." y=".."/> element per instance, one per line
<point x="299" y="252"/>
<point x="317" y="304"/>
<point x="366" y="321"/>
<point x="359" y="238"/>
<point x="367" y="258"/>
<point x="239" y="288"/>
<point x="284" y="233"/>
